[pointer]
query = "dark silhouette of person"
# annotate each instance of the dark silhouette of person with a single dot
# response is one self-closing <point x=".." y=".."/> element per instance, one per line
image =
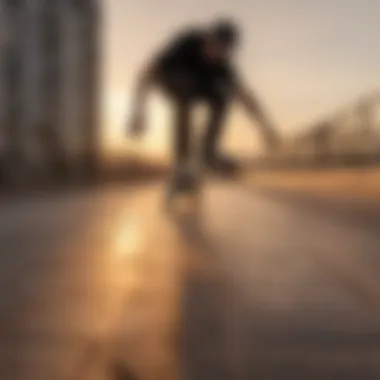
<point x="197" y="66"/>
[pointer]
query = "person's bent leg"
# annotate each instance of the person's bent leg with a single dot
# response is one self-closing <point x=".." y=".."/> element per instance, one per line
<point x="214" y="129"/>
<point x="183" y="175"/>
<point x="211" y="151"/>
<point x="182" y="133"/>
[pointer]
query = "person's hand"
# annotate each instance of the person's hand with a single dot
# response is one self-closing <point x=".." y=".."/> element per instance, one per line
<point x="137" y="126"/>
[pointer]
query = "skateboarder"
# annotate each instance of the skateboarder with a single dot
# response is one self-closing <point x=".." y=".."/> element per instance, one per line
<point x="198" y="66"/>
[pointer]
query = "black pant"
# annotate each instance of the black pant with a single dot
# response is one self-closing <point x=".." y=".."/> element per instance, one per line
<point x="185" y="91"/>
<point x="182" y="140"/>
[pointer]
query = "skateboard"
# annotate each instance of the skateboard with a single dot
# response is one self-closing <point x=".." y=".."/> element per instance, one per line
<point x="185" y="189"/>
<point x="186" y="185"/>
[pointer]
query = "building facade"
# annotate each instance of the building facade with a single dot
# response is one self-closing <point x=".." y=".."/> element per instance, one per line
<point x="49" y="86"/>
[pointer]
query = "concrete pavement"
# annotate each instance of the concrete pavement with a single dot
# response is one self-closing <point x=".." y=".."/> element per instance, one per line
<point x="103" y="285"/>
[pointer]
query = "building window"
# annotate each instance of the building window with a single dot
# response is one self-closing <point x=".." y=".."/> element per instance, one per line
<point x="14" y="3"/>
<point x="80" y="4"/>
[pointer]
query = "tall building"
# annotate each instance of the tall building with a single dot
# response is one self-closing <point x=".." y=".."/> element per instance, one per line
<point x="49" y="85"/>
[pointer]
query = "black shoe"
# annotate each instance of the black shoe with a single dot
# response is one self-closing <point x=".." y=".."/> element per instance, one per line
<point x="222" y="165"/>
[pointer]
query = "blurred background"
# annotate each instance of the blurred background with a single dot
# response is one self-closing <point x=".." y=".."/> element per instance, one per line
<point x="68" y="70"/>
<point x="279" y="276"/>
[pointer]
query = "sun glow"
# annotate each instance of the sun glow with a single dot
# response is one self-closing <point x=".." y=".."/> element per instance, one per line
<point x="118" y="114"/>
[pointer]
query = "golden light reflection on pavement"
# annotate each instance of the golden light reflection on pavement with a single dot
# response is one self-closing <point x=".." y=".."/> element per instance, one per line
<point x="129" y="237"/>
<point x="146" y="251"/>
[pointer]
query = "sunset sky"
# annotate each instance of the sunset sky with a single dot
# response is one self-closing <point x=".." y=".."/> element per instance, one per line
<point x="304" y="57"/>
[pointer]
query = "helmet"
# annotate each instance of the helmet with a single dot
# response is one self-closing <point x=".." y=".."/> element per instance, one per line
<point x="227" y="32"/>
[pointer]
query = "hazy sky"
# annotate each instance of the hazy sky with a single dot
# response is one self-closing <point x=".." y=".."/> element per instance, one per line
<point x="305" y="57"/>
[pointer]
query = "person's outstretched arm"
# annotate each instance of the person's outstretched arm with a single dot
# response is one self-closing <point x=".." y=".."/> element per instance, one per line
<point x="144" y="85"/>
<point x="252" y="104"/>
